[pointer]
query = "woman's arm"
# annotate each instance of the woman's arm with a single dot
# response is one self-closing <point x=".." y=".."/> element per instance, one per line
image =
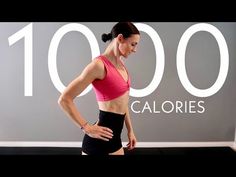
<point x="74" y="89"/>
<point x="130" y="131"/>
<point x="92" y="71"/>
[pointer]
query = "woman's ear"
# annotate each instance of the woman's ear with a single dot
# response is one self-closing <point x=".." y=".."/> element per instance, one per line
<point x="120" y="38"/>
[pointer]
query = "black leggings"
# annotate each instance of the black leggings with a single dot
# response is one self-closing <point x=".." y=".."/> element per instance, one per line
<point x="94" y="146"/>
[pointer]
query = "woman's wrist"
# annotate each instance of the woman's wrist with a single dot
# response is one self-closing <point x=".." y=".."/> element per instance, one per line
<point x="130" y="131"/>
<point x="84" y="125"/>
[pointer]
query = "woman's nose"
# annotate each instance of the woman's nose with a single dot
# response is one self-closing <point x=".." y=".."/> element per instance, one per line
<point x="134" y="49"/>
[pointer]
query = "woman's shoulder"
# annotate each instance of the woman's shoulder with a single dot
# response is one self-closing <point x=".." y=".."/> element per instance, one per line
<point x="98" y="61"/>
<point x="101" y="62"/>
<point x="97" y="67"/>
<point x="100" y="58"/>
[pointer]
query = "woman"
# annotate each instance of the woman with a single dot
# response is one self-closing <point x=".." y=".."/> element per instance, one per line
<point x="111" y="83"/>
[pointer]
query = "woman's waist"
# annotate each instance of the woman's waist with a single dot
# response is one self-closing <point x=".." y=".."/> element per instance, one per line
<point x="114" y="121"/>
<point x="118" y="108"/>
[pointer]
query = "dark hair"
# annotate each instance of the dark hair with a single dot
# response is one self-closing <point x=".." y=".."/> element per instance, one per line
<point x="124" y="28"/>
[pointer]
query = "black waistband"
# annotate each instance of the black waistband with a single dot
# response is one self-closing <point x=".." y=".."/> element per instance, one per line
<point x="112" y="113"/>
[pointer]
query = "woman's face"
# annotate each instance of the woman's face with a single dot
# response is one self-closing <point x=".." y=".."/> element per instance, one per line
<point x="128" y="45"/>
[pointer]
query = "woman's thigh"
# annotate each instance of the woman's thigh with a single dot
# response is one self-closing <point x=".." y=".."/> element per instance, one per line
<point x="118" y="152"/>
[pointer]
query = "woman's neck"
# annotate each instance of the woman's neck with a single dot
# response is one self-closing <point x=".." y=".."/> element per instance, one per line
<point x="112" y="53"/>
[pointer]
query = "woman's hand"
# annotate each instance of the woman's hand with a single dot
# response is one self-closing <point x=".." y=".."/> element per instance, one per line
<point x="99" y="132"/>
<point x="132" y="141"/>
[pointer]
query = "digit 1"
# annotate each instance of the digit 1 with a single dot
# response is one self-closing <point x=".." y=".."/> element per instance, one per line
<point x="27" y="34"/>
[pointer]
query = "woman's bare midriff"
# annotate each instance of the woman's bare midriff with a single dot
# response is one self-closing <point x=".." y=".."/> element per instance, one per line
<point x="117" y="105"/>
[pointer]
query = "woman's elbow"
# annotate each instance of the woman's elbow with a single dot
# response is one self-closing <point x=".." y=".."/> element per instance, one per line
<point x="60" y="99"/>
<point x="63" y="99"/>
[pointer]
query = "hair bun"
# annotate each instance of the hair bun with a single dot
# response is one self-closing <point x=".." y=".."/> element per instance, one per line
<point x="106" y="37"/>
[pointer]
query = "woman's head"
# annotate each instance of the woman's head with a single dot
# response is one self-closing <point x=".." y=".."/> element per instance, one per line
<point x="127" y="36"/>
<point x="125" y="28"/>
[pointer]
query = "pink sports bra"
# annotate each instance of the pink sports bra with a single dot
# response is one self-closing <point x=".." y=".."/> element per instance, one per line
<point x="112" y="85"/>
